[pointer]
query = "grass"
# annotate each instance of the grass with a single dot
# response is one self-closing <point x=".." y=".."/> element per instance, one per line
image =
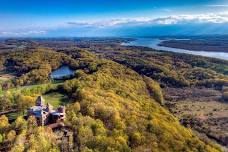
<point x="55" y="99"/>
<point x="29" y="87"/>
<point x="20" y="88"/>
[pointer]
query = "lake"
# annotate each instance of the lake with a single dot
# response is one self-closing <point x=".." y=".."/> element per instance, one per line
<point x="154" y="43"/>
<point x="62" y="72"/>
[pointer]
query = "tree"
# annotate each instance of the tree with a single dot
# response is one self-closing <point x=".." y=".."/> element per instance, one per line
<point x="5" y="103"/>
<point x="136" y="139"/>
<point x="18" y="148"/>
<point x="11" y="136"/>
<point x="42" y="140"/>
<point x="20" y="123"/>
<point x="4" y="125"/>
<point x="1" y="89"/>
<point x="1" y="138"/>
<point x="79" y="73"/>
<point x="154" y="89"/>
<point x="32" y="122"/>
<point x="24" y="102"/>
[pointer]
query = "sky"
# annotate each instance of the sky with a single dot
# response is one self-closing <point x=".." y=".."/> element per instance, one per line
<point x="86" y="18"/>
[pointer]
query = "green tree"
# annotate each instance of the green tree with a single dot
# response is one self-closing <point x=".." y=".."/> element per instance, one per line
<point x="1" y="138"/>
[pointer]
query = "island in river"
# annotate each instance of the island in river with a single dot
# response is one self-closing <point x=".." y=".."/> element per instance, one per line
<point x="217" y="45"/>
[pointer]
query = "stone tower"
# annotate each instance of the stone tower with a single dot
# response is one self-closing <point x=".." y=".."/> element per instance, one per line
<point x="39" y="101"/>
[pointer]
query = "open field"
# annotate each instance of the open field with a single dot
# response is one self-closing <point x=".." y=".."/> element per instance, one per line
<point x="55" y="99"/>
<point x="34" y="88"/>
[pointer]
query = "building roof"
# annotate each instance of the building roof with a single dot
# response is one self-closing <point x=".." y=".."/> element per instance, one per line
<point x="57" y="113"/>
<point x="37" y="110"/>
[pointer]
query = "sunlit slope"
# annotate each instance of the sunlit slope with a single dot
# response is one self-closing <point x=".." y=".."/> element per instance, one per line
<point x="117" y="112"/>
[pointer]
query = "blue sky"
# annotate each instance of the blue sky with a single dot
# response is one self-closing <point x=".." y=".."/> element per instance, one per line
<point x="53" y="18"/>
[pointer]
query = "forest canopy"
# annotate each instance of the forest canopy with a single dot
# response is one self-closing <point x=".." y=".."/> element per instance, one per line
<point x="111" y="107"/>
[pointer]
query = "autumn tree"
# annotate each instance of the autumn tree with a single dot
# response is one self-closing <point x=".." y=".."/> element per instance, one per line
<point x="4" y="125"/>
<point x="24" y="102"/>
<point x="20" y="123"/>
<point x="11" y="136"/>
<point x="32" y="123"/>
<point x="6" y="101"/>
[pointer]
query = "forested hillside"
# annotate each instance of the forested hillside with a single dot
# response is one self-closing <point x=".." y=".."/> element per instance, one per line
<point x="109" y="106"/>
<point x="194" y="87"/>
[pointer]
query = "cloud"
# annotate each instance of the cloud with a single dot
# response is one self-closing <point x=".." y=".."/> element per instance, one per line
<point x="83" y="27"/>
<point x="201" y="18"/>
<point x="22" y="33"/>
<point x="109" y="23"/>
<point x="221" y="5"/>
<point x="215" y="18"/>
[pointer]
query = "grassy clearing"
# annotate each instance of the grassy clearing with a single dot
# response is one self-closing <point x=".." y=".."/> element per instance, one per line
<point x="30" y="87"/>
<point x="55" y="99"/>
<point x="21" y="88"/>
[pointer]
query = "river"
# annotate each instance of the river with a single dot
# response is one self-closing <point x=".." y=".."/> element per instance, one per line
<point x="154" y="43"/>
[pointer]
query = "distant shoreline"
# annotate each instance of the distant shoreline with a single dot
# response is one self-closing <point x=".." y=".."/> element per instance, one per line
<point x="197" y="45"/>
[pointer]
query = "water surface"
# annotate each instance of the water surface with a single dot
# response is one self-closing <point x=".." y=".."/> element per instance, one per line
<point x="154" y="43"/>
<point x="61" y="72"/>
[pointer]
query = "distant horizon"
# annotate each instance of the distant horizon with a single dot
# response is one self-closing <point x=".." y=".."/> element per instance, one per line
<point x="152" y="36"/>
<point x="113" y="18"/>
